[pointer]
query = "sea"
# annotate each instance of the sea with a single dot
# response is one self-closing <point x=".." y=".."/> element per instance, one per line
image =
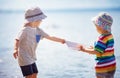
<point x="56" y="60"/>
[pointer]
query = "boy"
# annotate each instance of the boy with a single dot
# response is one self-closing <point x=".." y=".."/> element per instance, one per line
<point x="27" y="41"/>
<point x="104" y="47"/>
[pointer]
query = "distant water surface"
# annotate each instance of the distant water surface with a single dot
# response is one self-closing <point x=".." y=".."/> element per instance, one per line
<point x="56" y="60"/>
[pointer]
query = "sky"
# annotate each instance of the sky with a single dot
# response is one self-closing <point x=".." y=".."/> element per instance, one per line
<point x="58" y="4"/>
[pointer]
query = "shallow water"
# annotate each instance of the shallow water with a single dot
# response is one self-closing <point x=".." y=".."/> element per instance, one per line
<point x="55" y="60"/>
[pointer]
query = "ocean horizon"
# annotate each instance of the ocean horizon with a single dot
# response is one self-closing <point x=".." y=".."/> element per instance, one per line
<point x="65" y="10"/>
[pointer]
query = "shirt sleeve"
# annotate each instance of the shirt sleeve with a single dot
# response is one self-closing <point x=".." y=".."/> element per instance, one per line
<point x="21" y="35"/>
<point x="42" y="33"/>
<point x="100" y="46"/>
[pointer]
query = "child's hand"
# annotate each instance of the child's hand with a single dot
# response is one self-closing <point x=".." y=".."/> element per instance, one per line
<point x="90" y="47"/>
<point x="15" y="54"/>
<point x="81" y="48"/>
<point x="63" y="41"/>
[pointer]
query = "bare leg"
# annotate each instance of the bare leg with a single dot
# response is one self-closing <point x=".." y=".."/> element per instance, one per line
<point x="99" y="77"/>
<point x="29" y="76"/>
<point x="34" y="75"/>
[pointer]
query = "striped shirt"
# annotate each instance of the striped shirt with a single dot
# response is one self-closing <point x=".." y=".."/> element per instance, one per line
<point x="105" y="61"/>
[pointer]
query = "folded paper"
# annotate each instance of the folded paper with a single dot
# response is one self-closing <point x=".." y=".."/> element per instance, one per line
<point x="73" y="45"/>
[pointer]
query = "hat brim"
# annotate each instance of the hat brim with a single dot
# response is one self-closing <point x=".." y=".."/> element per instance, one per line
<point x="36" y="18"/>
<point x="94" y="19"/>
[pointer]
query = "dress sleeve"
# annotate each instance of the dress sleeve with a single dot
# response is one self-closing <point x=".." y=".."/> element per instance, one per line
<point x="100" y="46"/>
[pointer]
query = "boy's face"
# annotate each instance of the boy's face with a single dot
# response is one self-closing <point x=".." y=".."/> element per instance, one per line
<point x="37" y="23"/>
<point x="100" y="30"/>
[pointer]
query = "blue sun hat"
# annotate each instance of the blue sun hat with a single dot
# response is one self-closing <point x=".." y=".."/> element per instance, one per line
<point x="103" y="20"/>
<point x="34" y="14"/>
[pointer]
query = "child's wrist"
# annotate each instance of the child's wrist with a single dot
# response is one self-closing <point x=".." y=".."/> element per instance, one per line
<point x="15" y="50"/>
<point x="62" y="41"/>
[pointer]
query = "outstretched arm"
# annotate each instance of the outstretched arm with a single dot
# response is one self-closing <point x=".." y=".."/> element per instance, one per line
<point x="56" y="39"/>
<point x="89" y="50"/>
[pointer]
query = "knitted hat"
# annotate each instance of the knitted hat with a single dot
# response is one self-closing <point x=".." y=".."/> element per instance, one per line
<point x="104" y="20"/>
<point x="34" y="14"/>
